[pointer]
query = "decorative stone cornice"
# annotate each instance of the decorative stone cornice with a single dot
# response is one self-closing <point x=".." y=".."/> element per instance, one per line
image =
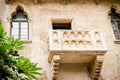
<point x="7" y="1"/>
<point x="36" y="1"/>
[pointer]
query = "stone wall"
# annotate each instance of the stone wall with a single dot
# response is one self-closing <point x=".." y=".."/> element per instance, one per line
<point x="85" y="15"/>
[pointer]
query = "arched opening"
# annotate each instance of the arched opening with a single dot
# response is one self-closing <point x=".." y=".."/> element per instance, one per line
<point x="19" y="25"/>
<point x="115" y="20"/>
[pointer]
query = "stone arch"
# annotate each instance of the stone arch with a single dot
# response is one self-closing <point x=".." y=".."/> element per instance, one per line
<point x="115" y="19"/>
<point x="116" y="11"/>
<point x="113" y="7"/>
<point x="22" y="7"/>
<point x="12" y="11"/>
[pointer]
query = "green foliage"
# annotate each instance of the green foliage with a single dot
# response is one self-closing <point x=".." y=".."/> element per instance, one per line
<point x="10" y="43"/>
<point x="2" y="32"/>
<point x="16" y="44"/>
<point x="10" y="66"/>
<point x="6" y="64"/>
<point x="27" y="67"/>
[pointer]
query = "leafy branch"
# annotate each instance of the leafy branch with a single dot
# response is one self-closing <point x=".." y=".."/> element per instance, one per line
<point x="11" y="67"/>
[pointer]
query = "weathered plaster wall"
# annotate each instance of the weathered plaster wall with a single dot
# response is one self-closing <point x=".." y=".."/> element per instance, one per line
<point x="85" y="15"/>
<point x="73" y="72"/>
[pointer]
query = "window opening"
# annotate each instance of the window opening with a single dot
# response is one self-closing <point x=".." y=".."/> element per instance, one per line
<point x="115" y="20"/>
<point x="19" y="25"/>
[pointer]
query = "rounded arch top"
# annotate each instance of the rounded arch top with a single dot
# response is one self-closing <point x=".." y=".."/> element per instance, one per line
<point x="114" y="12"/>
<point x="14" y="11"/>
<point x="115" y="8"/>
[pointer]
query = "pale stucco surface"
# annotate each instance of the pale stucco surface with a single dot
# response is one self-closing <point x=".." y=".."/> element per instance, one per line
<point x="85" y="15"/>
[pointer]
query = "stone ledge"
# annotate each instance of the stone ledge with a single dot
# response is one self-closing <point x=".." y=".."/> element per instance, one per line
<point x="117" y="41"/>
<point x="26" y="41"/>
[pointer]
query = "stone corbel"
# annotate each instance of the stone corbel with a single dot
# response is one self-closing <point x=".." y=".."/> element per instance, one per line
<point x="7" y="1"/>
<point x="35" y="1"/>
<point x="65" y="2"/>
<point x="55" y="66"/>
<point x="97" y="1"/>
<point x="97" y="66"/>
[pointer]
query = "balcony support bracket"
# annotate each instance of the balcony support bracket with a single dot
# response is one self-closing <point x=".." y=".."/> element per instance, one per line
<point x="97" y="66"/>
<point x="7" y="1"/>
<point x="55" y="66"/>
<point x="97" y="1"/>
<point x="35" y="1"/>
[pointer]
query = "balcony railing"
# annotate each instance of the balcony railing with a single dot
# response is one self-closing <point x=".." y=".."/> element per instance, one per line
<point x="75" y="40"/>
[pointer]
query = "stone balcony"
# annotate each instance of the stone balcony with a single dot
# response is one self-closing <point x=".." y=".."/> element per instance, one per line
<point x="76" y="42"/>
<point x="74" y="46"/>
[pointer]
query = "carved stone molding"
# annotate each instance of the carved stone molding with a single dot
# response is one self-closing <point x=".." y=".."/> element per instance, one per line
<point x="7" y="1"/>
<point x="35" y="1"/>
<point x="55" y="66"/>
<point x="97" y="67"/>
<point x="76" y="40"/>
<point x="64" y="1"/>
<point x="97" y="1"/>
<point x="65" y="42"/>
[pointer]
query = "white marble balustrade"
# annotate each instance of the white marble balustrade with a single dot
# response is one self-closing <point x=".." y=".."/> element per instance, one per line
<point x="76" y="40"/>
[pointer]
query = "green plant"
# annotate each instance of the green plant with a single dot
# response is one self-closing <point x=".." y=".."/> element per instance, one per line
<point x="15" y="43"/>
<point x="2" y="32"/>
<point x="11" y="66"/>
<point x="27" y="67"/>
<point x="9" y="44"/>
